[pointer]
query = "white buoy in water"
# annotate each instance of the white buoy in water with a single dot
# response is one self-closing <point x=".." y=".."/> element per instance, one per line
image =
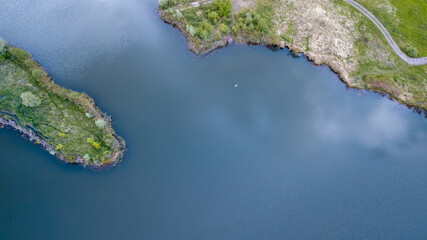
<point x="236" y="85"/>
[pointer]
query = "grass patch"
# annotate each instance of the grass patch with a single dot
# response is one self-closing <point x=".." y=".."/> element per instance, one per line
<point x="406" y="20"/>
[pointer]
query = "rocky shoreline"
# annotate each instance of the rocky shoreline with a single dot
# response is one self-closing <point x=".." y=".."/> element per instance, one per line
<point x="31" y="135"/>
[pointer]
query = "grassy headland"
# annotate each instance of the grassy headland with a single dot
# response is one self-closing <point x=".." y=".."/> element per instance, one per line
<point x="329" y="32"/>
<point x="66" y="123"/>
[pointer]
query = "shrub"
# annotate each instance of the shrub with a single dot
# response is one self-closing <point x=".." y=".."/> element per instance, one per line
<point x="29" y="63"/>
<point x="163" y="3"/>
<point x="96" y="145"/>
<point x="204" y="30"/>
<point x="90" y="140"/>
<point x="167" y="3"/>
<point x="100" y="123"/>
<point x="213" y="17"/>
<point x="59" y="147"/>
<point x="177" y="14"/>
<point x="74" y="95"/>
<point x="37" y="73"/>
<point x="224" y="28"/>
<point x="86" y="157"/>
<point x="191" y="17"/>
<point x="369" y="37"/>
<point x="411" y="51"/>
<point x="224" y="7"/>
<point x="263" y="25"/>
<point x="3" y="47"/>
<point x="191" y="30"/>
<point x="19" y="54"/>
<point x="30" y="100"/>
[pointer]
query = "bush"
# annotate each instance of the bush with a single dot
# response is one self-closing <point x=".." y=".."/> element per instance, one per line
<point x="74" y="95"/>
<point x="167" y="3"/>
<point x="163" y="3"/>
<point x="30" y="100"/>
<point x="37" y="73"/>
<point x="59" y="147"/>
<point x="100" y="123"/>
<point x="224" y="28"/>
<point x="3" y="47"/>
<point x="224" y="7"/>
<point x="177" y="14"/>
<point x="96" y="145"/>
<point x="204" y="30"/>
<point x="369" y="37"/>
<point x="213" y="17"/>
<point x="19" y="54"/>
<point x="411" y="51"/>
<point x="263" y="25"/>
<point x="191" y="17"/>
<point x="191" y="30"/>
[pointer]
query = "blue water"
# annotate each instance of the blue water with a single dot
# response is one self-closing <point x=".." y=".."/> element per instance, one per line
<point x="288" y="154"/>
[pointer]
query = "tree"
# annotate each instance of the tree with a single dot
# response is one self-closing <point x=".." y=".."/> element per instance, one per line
<point x="30" y="100"/>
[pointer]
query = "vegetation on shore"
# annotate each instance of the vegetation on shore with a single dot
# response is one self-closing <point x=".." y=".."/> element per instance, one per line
<point x="67" y="123"/>
<point x="406" y="20"/>
<point x="328" y="32"/>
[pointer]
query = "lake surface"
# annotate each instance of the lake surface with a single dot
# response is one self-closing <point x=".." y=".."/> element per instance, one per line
<point x="288" y="154"/>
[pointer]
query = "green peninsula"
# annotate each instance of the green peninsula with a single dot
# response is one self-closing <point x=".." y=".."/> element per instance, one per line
<point x="66" y="123"/>
<point x="337" y="33"/>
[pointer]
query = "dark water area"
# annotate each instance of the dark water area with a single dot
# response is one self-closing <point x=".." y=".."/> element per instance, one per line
<point x="288" y="154"/>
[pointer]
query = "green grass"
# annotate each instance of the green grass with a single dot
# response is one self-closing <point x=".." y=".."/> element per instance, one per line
<point x="400" y="79"/>
<point x="64" y="118"/>
<point x="408" y="26"/>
